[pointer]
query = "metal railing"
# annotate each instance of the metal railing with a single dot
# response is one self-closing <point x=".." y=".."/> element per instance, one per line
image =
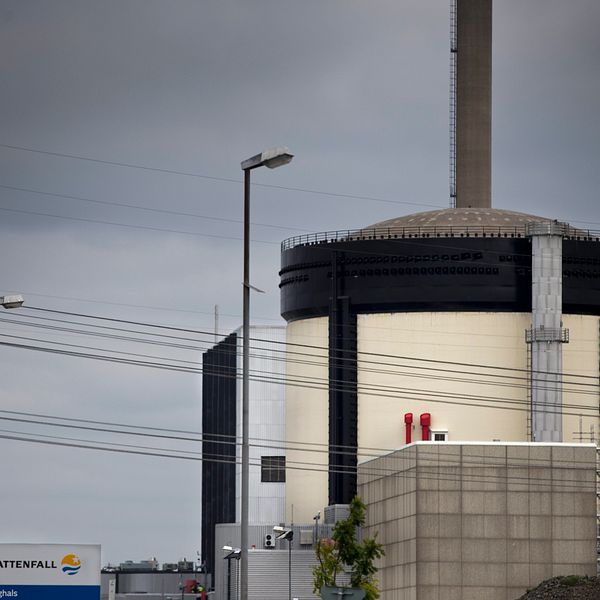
<point x="425" y="231"/>
<point x="547" y="334"/>
<point x="548" y="228"/>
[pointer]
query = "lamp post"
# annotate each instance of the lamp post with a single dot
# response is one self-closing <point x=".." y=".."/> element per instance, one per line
<point x="276" y="157"/>
<point x="287" y="534"/>
<point x="234" y="553"/>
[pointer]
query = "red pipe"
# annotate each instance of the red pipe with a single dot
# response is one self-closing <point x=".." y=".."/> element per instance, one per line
<point x="408" y="419"/>
<point x="425" y="424"/>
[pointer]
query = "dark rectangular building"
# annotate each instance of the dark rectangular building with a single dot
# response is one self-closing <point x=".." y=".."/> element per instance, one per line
<point x="219" y="370"/>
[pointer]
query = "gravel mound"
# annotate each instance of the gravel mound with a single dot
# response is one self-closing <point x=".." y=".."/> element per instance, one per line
<point x="571" y="587"/>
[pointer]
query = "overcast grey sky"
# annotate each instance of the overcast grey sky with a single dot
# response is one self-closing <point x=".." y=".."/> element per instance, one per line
<point x="358" y="91"/>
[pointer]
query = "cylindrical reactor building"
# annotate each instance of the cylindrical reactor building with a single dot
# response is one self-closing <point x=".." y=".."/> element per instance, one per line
<point x="458" y="324"/>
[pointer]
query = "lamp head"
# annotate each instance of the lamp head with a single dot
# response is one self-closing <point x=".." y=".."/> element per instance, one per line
<point x="284" y="533"/>
<point x="233" y="552"/>
<point x="277" y="157"/>
<point x="14" y="301"/>
<point x="272" y="158"/>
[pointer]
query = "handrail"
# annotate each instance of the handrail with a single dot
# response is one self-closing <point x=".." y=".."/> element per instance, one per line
<point x="426" y="231"/>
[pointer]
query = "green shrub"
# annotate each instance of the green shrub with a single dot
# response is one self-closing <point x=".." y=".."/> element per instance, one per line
<point x="345" y="554"/>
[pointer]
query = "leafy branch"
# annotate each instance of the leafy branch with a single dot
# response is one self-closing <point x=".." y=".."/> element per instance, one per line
<point x="344" y="553"/>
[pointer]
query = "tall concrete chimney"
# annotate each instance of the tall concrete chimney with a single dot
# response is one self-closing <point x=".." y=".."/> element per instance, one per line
<point x="473" y="56"/>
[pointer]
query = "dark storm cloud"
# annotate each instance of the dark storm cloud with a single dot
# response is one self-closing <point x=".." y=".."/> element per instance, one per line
<point x="201" y="81"/>
<point x="547" y="79"/>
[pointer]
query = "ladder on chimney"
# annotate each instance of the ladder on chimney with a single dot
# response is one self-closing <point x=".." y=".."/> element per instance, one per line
<point x="529" y="395"/>
<point x="453" y="58"/>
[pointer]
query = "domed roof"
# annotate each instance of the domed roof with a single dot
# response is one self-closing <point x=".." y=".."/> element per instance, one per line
<point x="461" y="220"/>
<point x="447" y="222"/>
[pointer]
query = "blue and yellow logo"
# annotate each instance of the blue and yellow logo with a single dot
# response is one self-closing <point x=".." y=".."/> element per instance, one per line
<point x="70" y="564"/>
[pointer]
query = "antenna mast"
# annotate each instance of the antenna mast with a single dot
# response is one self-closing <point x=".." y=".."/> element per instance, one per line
<point x="452" y="103"/>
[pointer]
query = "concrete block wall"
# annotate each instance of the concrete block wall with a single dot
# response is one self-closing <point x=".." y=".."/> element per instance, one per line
<point x="388" y="485"/>
<point x="469" y="521"/>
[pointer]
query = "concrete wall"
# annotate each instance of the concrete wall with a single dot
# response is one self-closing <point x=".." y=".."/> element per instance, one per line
<point x="580" y="358"/>
<point x="307" y="418"/>
<point x="495" y="339"/>
<point x="416" y="386"/>
<point x="473" y="521"/>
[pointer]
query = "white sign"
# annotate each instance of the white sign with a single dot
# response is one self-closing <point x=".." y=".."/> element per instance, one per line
<point x="49" y="571"/>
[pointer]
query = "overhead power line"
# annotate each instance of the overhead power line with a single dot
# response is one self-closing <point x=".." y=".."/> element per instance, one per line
<point x="430" y="373"/>
<point x="281" y="321"/>
<point x="430" y="244"/>
<point x="232" y="180"/>
<point x="379" y="390"/>
<point x="129" y="226"/>
<point x="435" y="472"/>
<point x="147" y="209"/>
<point x="405" y="394"/>
<point x="210" y="438"/>
<point x="433" y="243"/>
<point x="309" y="347"/>
<point x="146" y="306"/>
<point x="299" y="380"/>
<point x="231" y="440"/>
<point x="213" y="178"/>
<point x="289" y="357"/>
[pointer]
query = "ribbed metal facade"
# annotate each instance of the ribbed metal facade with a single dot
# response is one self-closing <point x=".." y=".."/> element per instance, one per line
<point x="269" y="574"/>
<point x="343" y="402"/>
<point x="268" y="569"/>
<point x="219" y="366"/>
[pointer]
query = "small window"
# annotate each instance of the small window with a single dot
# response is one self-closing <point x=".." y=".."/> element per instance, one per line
<point x="439" y="436"/>
<point x="272" y="469"/>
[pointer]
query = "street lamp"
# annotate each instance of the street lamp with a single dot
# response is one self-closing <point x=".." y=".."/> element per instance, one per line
<point x="14" y="301"/>
<point x="316" y="520"/>
<point x="272" y="158"/>
<point x="287" y="534"/>
<point x="234" y="554"/>
<point x="276" y="157"/>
